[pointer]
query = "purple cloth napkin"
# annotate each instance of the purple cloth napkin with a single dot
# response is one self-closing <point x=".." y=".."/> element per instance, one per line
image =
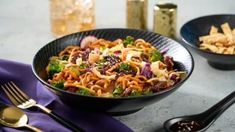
<point x="23" y="76"/>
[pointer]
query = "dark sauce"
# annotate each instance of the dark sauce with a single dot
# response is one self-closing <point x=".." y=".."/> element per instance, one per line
<point x="186" y="126"/>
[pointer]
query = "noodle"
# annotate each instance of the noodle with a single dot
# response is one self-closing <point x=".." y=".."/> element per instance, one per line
<point x="123" y="67"/>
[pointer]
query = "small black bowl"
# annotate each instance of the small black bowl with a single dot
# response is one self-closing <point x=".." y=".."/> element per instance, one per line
<point x="191" y="31"/>
<point x="114" y="106"/>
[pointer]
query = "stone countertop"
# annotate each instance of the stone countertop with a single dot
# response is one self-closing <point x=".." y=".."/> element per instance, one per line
<point x="25" y="28"/>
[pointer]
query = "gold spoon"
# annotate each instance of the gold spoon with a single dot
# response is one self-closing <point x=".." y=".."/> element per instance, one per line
<point x="13" y="117"/>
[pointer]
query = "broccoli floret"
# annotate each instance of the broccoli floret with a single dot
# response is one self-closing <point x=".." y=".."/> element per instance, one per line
<point x="135" y="93"/>
<point x="124" y="67"/>
<point x="54" y="67"/>
<point x="155" y="56"/>
<point x="58" y="84"/>
<point x="117" y="91"/>
<point x="147" y="92"/>
<point x="83" y="92"/>
<point x="128" y="40"/>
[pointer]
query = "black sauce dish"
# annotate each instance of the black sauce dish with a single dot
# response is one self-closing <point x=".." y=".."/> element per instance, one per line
<point x="200" y="26"/>
<point x="114" y="106"/>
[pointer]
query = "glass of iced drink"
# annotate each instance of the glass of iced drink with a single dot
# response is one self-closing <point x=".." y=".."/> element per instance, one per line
<point x="70" y="16"/>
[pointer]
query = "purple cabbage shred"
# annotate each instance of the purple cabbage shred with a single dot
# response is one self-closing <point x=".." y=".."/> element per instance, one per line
<point x="146" y="71"/>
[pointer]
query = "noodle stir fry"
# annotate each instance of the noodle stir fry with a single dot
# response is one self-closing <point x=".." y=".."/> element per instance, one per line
<point x="119" y="68"/>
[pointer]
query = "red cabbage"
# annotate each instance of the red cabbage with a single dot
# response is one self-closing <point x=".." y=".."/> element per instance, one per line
<point x="146" y="71"/>
<point x="164" y="51"/>
<point x="117" y="53"/>
<point x="173" y="76"/>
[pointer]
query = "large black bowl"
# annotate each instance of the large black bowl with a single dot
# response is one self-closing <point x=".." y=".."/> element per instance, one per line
<point x="191" y="31"/>
<point x="114" y="106"/>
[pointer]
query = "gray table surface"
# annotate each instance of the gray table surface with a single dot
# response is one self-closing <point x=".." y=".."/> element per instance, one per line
<point x="25" y="27"/>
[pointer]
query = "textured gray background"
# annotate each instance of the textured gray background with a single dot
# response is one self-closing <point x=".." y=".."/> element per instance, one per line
<point x="24" y="28"/>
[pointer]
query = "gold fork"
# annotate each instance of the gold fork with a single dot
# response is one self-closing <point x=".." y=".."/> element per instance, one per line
<point x="23" y="101"/>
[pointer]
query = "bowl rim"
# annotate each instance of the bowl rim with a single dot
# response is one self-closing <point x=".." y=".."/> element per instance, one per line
<point x="193" y="45"/>
<point x="174" y="87"/>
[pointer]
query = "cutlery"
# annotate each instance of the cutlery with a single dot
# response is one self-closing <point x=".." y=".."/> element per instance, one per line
<point x="23" y="101"/>
<point x="202" y="121"/>
<point x="14" y="117"/>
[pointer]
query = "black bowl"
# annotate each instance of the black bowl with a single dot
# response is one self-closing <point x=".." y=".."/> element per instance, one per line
<point x="115" y="106"/>
<point x="191" y="31"/>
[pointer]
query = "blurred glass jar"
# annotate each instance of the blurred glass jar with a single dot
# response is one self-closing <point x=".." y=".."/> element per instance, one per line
<point x="70" y="16"/>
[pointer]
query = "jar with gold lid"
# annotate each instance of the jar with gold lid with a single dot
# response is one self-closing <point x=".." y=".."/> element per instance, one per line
<point x="136" y="14"/>
<point x="165" y="19"/>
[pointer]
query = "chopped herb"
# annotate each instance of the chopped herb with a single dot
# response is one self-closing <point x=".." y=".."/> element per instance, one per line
<point x="117" y="90"/>
<point x="58" y="84"/>
<point x="100" y="63"/>
<point x="128" y="40"/>
<point x="124" y="66"/>
<point x="64" y="57"/>
<point x="83" y="65"/>
<point x="82" y="91"/>
<point x="54" y="67"/>
<point x="155" y="56"/>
